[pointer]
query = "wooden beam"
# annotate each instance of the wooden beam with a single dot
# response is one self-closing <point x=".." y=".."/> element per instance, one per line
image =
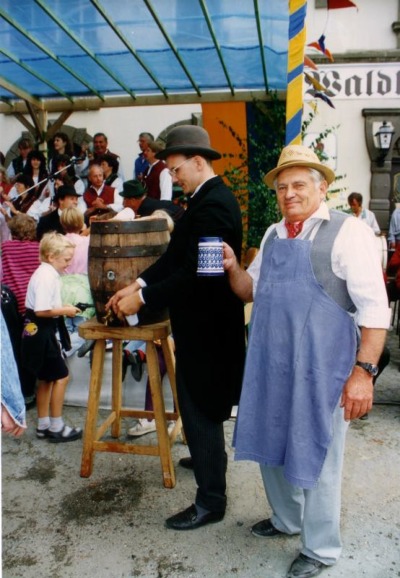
<point x="34" y="117"/>
<point x="23" y="120"/>
<point x="55" y="127"/>
<point x="20" y="93"/>
<point x="93" y="103"/>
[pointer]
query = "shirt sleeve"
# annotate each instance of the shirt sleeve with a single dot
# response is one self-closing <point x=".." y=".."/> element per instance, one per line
<point x="355" y="258"/>
<point x="117" y="205"/>
<point x="165" y="185"/>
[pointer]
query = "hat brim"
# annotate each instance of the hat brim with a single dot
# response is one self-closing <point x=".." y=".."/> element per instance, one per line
<point x="125" y="196"/>
<point x="326" y="171"/>
<point x="188" y="150"/>
<point x="56" y="197"/>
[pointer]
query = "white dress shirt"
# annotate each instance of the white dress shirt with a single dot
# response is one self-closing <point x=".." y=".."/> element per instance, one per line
<point x="354" y="258"/>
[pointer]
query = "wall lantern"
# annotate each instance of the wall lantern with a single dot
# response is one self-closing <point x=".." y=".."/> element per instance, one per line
<point x="383" y="141"/>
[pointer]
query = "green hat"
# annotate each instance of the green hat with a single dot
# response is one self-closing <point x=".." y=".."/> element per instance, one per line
<point x="132" y="189"/>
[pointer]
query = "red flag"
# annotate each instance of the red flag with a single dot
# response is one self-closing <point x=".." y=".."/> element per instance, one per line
<point x="333" y="4"/>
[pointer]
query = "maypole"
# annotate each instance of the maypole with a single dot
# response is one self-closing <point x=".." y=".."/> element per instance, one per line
<point x="294" y="96"/>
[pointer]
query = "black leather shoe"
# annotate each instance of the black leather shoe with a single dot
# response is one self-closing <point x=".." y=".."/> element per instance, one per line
<point x="265" y="529"/>
<point x="305" y="567"/>
<point x="189" y="519"/>
<point x="186" y="463"/>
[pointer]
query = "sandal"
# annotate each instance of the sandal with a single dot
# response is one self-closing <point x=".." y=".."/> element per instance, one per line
<point x="42" y="433"/>
<point x="67" y="434"/>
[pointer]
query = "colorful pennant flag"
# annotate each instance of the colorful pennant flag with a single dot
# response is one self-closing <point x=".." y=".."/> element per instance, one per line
<point x="320" y="45"/>
<point x="335" y="4"/>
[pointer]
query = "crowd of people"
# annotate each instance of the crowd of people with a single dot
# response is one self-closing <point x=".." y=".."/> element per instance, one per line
<point x="305" y="372"/>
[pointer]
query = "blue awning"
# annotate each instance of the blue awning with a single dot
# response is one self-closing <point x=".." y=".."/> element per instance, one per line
<point x="60" y="54"/>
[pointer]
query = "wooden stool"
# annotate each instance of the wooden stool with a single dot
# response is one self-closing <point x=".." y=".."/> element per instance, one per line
<point x="92" y="434"/>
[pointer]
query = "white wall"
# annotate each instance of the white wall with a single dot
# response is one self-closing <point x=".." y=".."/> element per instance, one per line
<point x="347" y="30"/>
<point x="351" y="29"/>
<point x="121" y="125"/>
<point x="352" y="160"/>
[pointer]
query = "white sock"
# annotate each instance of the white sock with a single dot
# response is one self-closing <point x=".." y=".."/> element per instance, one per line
<point x="43" y="422"/>
<point x="56" y="424"/>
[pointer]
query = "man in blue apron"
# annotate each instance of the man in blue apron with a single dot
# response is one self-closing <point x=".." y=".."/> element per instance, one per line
<point x="317" y="330"/>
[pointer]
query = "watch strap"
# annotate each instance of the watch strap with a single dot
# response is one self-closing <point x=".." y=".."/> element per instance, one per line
<point x="371" y="368"/>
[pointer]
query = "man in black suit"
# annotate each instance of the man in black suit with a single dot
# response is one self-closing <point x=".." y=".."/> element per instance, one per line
<point x="207" y="319"/>
<point x="65" y="197"/>
<point x="136" y="199"/>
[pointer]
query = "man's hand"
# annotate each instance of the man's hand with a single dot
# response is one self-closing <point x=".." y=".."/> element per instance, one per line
<point x="357" y="396"/>
<point x="125" y="292"/>
<point x="230" y="260"/>
<point x="99" y="203"/>
<point x="128" y="305"/>
<point x="8" y="425"/>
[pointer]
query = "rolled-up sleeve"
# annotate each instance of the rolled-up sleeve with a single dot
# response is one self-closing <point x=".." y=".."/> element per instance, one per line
<point x="355" y="258"/>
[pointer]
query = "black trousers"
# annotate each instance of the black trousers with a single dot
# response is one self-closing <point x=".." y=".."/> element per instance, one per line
<point x="206" y="442"/>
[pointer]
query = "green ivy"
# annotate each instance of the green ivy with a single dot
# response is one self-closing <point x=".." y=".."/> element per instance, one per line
<point x="258" y="155"/>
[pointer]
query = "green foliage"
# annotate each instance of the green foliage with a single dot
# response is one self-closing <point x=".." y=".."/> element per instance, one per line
<point x="318" y="146"/>
<point x="258" y="155"/>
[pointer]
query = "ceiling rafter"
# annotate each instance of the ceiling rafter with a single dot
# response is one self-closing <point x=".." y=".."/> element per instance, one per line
<point x="49" y="53"/>
<point x="34" y="73"/>
<point x="85" y="49"/>
<point x="172" y="46"/>
<point x="216" y="44"/>
<point x="261" y="44"/>
<point x="128" y="45"/>
<point x="20" y="93"/>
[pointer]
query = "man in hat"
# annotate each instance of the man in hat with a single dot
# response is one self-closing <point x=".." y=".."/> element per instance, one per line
<point x="135" y="197"/>
<point x="207" y="318"/>
<point x="65" y="197"/>
<point x="316" y="278"/>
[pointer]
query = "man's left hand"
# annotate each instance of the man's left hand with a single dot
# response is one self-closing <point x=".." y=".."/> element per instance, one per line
<point x="128" y="305"/>
<point x="357" y="394"/>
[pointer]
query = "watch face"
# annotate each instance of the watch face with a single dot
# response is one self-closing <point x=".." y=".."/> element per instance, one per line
<point x="372" y="369"/>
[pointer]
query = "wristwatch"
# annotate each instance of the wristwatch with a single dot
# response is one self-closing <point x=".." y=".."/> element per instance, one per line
<point x="369" y="367"/>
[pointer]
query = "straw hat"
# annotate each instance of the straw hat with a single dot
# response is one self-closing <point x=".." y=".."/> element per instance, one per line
<point x="298" y="156"/>
<point x="188" y="140"/>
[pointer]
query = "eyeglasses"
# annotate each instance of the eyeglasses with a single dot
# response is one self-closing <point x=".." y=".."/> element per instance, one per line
<point x="173" y="171"/>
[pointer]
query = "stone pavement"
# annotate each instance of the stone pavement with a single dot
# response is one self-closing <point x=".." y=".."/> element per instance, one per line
<point x="56" y="524"/>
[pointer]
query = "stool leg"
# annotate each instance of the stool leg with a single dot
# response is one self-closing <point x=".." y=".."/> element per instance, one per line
<point x="169" y="357"/>
<point x="159" y="415"/>
<point x="89" y="435"/>
<point x="116" y="400"/>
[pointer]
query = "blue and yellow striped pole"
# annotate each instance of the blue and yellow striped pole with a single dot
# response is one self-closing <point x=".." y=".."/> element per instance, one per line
<point x="294" y="95"/>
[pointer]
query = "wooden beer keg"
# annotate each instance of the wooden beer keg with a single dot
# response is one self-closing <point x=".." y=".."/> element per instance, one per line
<point x="118" y="252"/>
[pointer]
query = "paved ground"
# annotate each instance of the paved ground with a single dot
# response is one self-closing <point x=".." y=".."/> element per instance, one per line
<point x="59" y="525"/>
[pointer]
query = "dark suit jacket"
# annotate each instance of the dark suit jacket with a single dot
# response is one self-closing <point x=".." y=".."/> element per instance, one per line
<point x="50" y="222"/>
<point x="207" y="318"/>
<point x="149" y="205"/>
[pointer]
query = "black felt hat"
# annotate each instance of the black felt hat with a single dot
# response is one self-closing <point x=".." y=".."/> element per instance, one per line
<point x="188" y="140"/>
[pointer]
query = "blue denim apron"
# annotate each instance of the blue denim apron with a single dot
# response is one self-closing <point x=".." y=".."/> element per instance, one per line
<point x="302" y="348"/>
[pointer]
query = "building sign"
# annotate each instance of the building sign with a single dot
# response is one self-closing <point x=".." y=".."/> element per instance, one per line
<point x="366" y="81"/>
